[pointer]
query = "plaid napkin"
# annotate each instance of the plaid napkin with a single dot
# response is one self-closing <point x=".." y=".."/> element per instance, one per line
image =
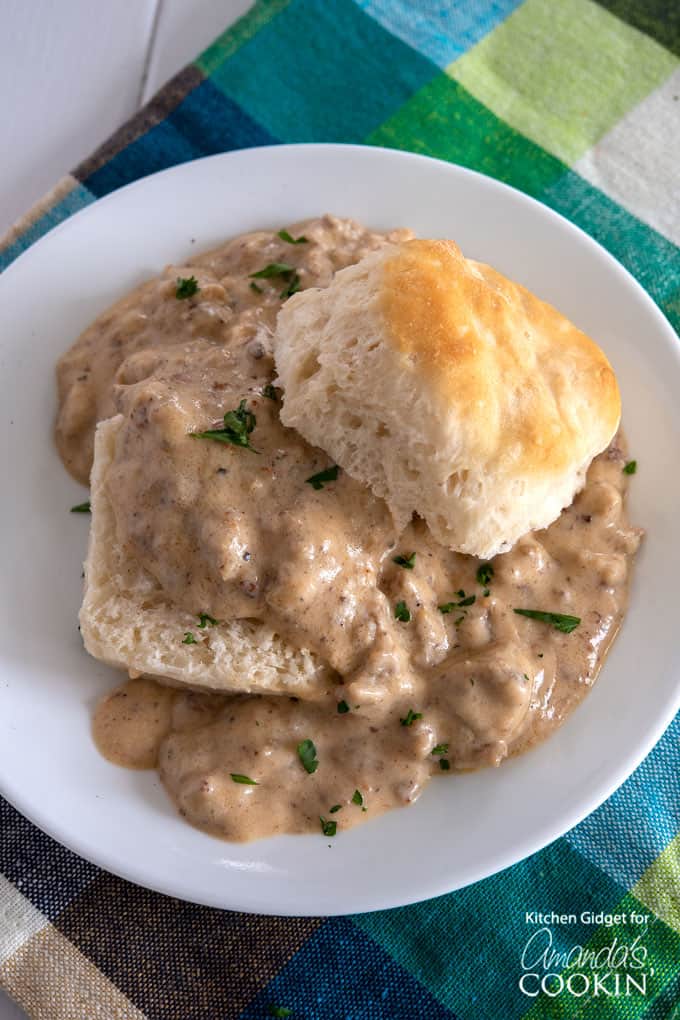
<point x="578" y="104"/>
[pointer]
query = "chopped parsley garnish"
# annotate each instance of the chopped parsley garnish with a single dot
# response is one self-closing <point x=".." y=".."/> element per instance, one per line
<point x="285" y="236"/>
<point x="245" y="780"/>
<point x="238" y="425"/>
<point x="205" y="619"/>
<point x="329" y="828"/>
<point x="336" y="807"/>
<point x="484" y="574"/>
<point x="283" y="269"/>
<point x="307" y="755"/>
<point x="401" y="612"/>
<point x="440" y="749"/>
<point x="559" y="621"/>
<point x="269" y="391"/>
<point x="357" y="798"/>
<point x="459" y="620"/>
<point x="279" y="1011"/>
<point x="292" y="288"/>
<point x="273" y="269"/>
<point x="407" y="562"/>
<point x="318" y="480"/>
<point x="630" y="468"/>
<point x="410" y="717"/>
<point x="82" y="508"/>
<point x="256" y="287"/>
<point x="342" y="707"/>
<point x="186" y="287"/>
<point x="189" y="638"/>
<point x="444" y="764"/>
<point x="464" y="601"/>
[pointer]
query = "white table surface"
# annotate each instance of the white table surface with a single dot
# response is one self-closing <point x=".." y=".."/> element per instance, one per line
<point x="70" y="73"/>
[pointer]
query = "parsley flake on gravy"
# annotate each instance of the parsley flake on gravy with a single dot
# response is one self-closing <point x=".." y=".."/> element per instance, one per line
<point x="189" y="638"/>
<point x="82" y="508"/>
<point x="630" y="468"/>
<point x="284" y="270"/>
<point x="560" y="621"/>
<point x="319" y="480"/>
<point x="205" y="619"/>
<point x="402" y="612"/>
<point x="244" y="780"/>
<point x="410" y="717"/>
<point x="256" y="287"/>
<point x="269" y="391"/>
<point x="440" y="750"/>
<point x="342" y="707"/>
<point x="273" y="269"/>
<point x="292" y="288"/>
<point x="289" y="239"/>
<point x="357" y="798"/>
<point x="186" y="287"/>
<point x="238" y="425"/>
<point x="336" y="807"/>
<point x="484" y="574"/>
<point x="464" y="601"/>
<point x="307" y="755"/>
<point x="407" y="562"/>
<point x="444" y="764"/>
<point x="329" y="828"/>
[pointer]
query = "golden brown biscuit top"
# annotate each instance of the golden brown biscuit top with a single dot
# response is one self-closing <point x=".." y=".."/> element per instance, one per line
<point x="533" y="387"/>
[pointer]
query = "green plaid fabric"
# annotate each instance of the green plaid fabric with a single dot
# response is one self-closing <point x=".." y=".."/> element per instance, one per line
<point x="576" y="103"/>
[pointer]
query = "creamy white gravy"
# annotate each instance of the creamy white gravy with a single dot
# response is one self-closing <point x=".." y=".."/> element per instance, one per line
<point x="236" y="533"/>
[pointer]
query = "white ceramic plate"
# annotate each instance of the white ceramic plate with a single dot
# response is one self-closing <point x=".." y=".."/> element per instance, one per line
<point x="461" y="829"/>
